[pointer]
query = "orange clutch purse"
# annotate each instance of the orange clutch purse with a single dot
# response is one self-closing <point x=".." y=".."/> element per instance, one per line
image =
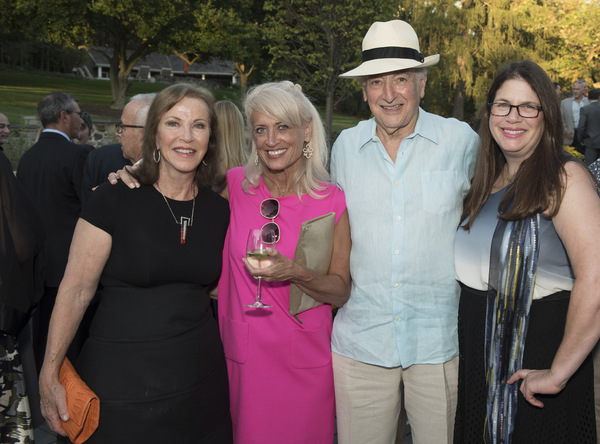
<point x="83" y="405"/>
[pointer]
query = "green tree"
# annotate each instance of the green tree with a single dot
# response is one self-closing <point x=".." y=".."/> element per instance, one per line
<point x="569" y="35"/>
<point x="474" y="39"/>
<point x="128" y="29"/>
<point x="312" y="42"/>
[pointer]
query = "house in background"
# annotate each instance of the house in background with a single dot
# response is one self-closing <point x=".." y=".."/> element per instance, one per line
<point x="160" y="68"/>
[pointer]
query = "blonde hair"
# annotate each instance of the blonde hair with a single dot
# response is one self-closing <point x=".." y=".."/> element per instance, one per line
<point x="232" y="135"/>
<point x="287" y="103"/>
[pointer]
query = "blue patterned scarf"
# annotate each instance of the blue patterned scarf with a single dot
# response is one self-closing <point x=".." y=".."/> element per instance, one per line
<point x="513" y="265"/>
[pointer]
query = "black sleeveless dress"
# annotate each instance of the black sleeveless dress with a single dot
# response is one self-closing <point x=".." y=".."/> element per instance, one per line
<point x="154" y="356"/>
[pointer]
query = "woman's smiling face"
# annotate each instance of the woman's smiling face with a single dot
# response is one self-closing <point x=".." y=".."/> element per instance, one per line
<point x="278" y="145"/>
<point x="517" y="136"/>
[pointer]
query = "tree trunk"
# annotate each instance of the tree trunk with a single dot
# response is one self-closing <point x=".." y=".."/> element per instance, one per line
<point x="241" y="70"/>
<point x="329" y="114"/>
<point x="119" y="86"/>
<point x="459" y="101"/>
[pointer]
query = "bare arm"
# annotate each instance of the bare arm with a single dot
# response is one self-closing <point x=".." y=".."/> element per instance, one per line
<point x="88" y="255"/>
<point x="332" y="288"/>
<point x="578" y="225"/>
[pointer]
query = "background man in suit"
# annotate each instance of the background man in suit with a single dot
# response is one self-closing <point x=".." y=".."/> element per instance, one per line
<point x="109" y="158"/>
<point x="4" y="130"/>
<point x="569" y="109"/>
<point x="50" y="172"/>
<point x="588" y="130"/>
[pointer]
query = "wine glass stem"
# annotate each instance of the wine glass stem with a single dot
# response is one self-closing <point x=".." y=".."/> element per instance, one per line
<point x="258" y="296"/>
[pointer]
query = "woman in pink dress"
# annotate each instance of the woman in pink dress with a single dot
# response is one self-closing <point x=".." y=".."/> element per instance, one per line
<point x="279" y="365"/>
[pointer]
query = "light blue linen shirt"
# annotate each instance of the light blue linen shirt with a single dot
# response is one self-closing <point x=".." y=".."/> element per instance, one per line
<point x="403" y="307"/>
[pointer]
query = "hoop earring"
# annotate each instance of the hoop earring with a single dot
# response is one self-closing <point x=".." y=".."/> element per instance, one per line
<point x="256" y="160"/>
<point x="307" y="150"/>
<point x="204" y="163"/>
<point x="154" y="156"/>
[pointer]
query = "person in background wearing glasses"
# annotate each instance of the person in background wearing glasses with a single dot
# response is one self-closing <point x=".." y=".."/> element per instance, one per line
<point x="154" y="356"/>
<point x="106" y="159"/>
<point x="51" y="173"/>
<point x="279" y="365"/>
<point x="527" y="255"/>
<point x="4" y="130"/>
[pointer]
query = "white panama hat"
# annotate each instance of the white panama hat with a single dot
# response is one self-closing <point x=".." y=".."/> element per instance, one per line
<point x="390" y="46"/>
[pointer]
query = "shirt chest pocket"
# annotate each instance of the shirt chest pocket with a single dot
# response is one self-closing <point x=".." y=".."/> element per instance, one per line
<point x="441" y="191"/>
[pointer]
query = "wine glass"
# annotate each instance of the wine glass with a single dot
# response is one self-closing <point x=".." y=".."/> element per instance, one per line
<point x="256" y="251"/>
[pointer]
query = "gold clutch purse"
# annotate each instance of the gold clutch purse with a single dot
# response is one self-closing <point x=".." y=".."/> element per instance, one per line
<point x="313" y="252"/>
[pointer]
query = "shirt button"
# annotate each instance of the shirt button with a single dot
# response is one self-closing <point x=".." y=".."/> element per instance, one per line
<point x="396" y="251"/>
<point x="397" y="285"/>
<point x="397" y="184"/>
<point x="398" y="218"/>
<point x="398" y="318"/>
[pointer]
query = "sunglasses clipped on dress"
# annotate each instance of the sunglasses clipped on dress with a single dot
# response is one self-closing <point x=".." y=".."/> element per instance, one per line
<point x="269" y="209"/>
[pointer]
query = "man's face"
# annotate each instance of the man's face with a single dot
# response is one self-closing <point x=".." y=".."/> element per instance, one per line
<point x="394" y="99"/>
<point x="578" y="90"/>
<point x="4" y="129"/>
<point x="74" y="122"/>
<point x="131" y="138"/>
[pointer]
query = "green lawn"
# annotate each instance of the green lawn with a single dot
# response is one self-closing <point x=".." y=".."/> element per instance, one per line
<point x="20" y="93"/>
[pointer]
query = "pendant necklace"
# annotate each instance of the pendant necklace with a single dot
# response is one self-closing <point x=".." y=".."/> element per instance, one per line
<point x="184" y="222"/>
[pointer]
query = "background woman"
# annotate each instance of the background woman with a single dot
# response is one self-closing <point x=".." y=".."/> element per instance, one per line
<point x="279" y="366"/>
<point x="153" y="357"/>
<point x="531" y="231"/>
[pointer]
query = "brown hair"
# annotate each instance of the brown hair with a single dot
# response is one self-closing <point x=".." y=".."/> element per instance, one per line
<point x="207" y="171"/>
<point x="539" y="183"/>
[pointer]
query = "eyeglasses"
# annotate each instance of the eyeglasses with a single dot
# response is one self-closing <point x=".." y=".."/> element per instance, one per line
<point x="120" y="127"/>
<point x="79" y="113"/>
<point x="504" y="109"/>
<point x="269" y="208"/>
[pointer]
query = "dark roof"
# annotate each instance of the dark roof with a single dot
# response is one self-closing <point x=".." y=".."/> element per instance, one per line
<point x="157" y="62"/>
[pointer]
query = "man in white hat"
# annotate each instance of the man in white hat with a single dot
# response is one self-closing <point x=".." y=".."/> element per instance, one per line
<point x="405" y="173"/>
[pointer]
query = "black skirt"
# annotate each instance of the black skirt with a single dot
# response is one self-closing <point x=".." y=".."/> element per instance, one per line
<point x="567" y="417"/>
<point x="155" y="359"/>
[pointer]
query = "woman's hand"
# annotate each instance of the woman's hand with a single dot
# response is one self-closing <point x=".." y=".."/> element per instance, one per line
<point x="124" y="174"/>
<point x="537" y="382"/>
<point x="276" y="267"/>
<point x="53" y="400"/>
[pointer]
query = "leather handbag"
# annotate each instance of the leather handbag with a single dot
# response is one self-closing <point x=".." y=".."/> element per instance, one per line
<point x="313" y="251"/>
<point x="83" y="405"/>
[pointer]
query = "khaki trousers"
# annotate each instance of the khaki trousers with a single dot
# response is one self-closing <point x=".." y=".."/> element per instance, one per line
<point x="369" y="398"/>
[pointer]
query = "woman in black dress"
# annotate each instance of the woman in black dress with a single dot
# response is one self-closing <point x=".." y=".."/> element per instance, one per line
<point x="154" y="356"/>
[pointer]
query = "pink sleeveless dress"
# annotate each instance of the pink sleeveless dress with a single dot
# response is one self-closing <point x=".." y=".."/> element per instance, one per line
<point x="280" y="373"/>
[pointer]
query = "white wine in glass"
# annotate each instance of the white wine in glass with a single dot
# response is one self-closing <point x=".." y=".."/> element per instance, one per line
<point x="256" y="250"/>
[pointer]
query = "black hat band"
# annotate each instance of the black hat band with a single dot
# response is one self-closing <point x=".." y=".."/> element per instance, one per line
<point x="392" y="52"/>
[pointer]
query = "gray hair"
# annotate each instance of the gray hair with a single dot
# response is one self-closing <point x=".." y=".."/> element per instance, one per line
<point x="287" y="103"/>
<point x="142" y="112"/>
<point x="52" y="105"/>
